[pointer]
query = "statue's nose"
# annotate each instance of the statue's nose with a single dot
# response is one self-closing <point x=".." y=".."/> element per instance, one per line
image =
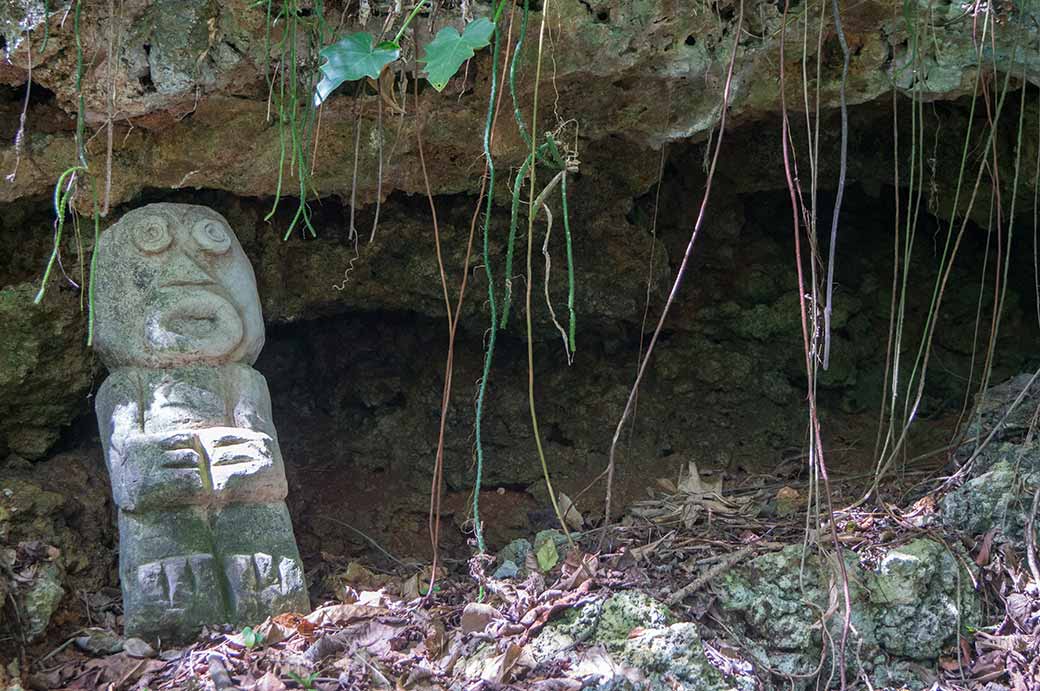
<point x="182" y="270"/>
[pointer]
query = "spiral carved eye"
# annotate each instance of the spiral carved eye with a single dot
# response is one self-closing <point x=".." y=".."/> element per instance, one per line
<point x="211" y="236"/>
<point x="152" y="236"/>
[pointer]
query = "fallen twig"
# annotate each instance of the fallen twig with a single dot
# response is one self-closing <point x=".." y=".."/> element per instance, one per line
<point x="1031" y="539"/>
<point x="728" y="561"/>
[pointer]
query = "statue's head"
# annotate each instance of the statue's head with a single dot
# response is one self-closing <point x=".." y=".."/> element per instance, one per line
<point x="174" y="287"/>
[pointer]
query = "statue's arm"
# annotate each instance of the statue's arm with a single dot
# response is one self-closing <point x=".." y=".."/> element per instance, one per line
<point x="147" y="469"/>
<point x="119" y="412"/>
<point x="252" y="404"/>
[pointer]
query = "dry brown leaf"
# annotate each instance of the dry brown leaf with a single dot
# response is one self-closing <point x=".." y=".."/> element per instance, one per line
<point x="578" y="567"/>
<point x="1003" y="643"/>
<point x="274" y="631"/>
<point x="374" y="598"/>
<point x="1019" y="607"/>
<point x="339" y="615"/>
<point x="116" y="670"/>
<point x="415" y="676"/>
<point x="436" y="640"/>
<point x="295" y="621"/>
<point x="415" y="586"/>
<point x="666" y="485"/>
<point x="982" y="558"/>
<point x="269" y="682"/>
<point x="641" y="553"/>
<point x="693" y="483"/>
<point x="52" y="679"/>
<point x="361" y="578"/>
<point x="537" y="617"/>
<point x="135" y="647"/>
<point x="558" y="684"/>
<point x="411" y="588"/>
<point x="989" y="666"/>
<point x="571" y="516"/>
<point x="476" y="616"/>
<point x="924" y="506"/>
<point x="966" y="652"/>
<point x="378" y="637"/>
<point x="506" y="662"/>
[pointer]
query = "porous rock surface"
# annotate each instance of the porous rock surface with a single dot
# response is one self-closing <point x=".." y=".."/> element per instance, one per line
<point x="909" y="608"/>
<point x="44" y="369"/>
<point x="56" y="538"/>
<point x="628" y="641"/>
<point x="647" y="71"/>
<point x="999" y="464"/>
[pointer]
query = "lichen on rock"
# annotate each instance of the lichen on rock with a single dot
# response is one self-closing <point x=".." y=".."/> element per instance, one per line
<point x="18" y="18"/>
<point x="920" y="596"/>
<point x="632" y="644"/>
<point x="40" y="600"/>
<point x="1000" y="460"/>
<point x="910" y="607"/>
<point x="998" y="498"/>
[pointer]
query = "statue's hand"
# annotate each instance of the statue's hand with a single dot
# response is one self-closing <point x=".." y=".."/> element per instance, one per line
<point x="226" y="446"/>
<point x="212" y="465"/>
<point x="159" y="470"/>
<point x="245" y="464"/>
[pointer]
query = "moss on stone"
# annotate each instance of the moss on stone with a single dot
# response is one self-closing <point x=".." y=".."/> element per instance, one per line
<point x="41" y="599"/>
<point x="999" y="497"/>
<point x="636" y="631"/>
<point x="922" y="596"/>
<point x="911" y="607"/>
<point x="45" y="368"/>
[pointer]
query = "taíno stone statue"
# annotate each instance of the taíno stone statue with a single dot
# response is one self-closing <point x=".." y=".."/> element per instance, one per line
<point x="197" y="475"/>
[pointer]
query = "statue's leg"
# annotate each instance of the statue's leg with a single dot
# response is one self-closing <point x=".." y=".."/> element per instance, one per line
<point x="260" y="561"/>
<point x="172" y="583"/>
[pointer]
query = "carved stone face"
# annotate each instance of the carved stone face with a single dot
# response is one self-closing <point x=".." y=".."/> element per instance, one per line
<point x="173" y="287"/>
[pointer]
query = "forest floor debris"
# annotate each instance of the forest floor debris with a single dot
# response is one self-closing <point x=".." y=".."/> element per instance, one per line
<point x="646" y="612"/>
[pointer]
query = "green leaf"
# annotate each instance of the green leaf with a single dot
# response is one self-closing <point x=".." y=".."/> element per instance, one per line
<point x="306" y="682"/>
<point x="547" y="555"/>
<point x="448" y="50"/>
<point x="249" y="637"/>
<point x="352" y="58"/>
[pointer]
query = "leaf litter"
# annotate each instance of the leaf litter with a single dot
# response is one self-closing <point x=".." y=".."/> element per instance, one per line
<point x="382" y="630"/>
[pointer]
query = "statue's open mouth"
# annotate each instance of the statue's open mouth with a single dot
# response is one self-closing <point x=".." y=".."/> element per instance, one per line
<point x="196" y="319"/>
<point x="195" y="327"/>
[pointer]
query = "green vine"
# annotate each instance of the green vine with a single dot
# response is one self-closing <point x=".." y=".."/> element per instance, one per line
<point x="295" y="111"/>
<point x="532" y="212"/>
<point x="550" y="154"/>
<point x="478" y="529"/>
<point x="359" y="56"/>
<point x="46" y="24"/>
<point x="67" y="185"/>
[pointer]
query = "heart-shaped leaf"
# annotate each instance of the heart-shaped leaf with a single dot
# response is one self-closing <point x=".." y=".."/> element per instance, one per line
<point x="547" y="555"/>
<point x="448" y="50"/>
<point x="351" y="58"/>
